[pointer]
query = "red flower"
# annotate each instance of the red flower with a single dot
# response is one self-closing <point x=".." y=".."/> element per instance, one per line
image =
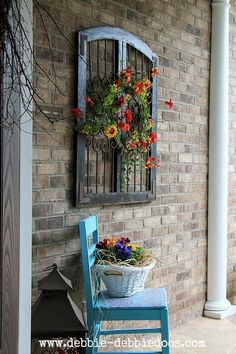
<point x="152" y="162"/>
<point x="103" y="244"/>
<point x="120" y="101"/>
<point x="143" y="144"/>
<point x="138" y="87"/>
<point x="169" y="103"/>
<point x="152" y="137"/>
<point x="123" y="126"/>
<point x="124" y="240"/>
<point x="117" y="83"/>
<point x="76" y="113"/>
<point x="128" y="116"/>
<point x="89" y="100"/>
<point x="60" y="351"/>
<point x="132" y="145"/>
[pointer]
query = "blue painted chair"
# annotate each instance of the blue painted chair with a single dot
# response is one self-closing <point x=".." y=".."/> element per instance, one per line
<point x="149" y="304"/>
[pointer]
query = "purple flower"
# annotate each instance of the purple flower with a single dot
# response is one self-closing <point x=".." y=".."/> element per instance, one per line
<point x="123" y="251"/>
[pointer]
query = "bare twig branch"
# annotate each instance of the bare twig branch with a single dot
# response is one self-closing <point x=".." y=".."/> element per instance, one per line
<point x="16" y="56"/>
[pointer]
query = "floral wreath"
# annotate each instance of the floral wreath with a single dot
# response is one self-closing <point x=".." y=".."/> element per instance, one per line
<point x="123" y="116"/>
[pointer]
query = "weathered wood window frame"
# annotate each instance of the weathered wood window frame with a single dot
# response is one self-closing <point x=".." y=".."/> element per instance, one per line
<point x="122" y="39"/>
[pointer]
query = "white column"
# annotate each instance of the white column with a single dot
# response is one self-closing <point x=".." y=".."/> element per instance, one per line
<point x="217" y="304"/>
<point x="26" y="190"/>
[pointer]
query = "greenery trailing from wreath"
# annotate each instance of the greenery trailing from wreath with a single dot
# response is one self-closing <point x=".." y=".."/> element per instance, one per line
<point x="123" y="116"/>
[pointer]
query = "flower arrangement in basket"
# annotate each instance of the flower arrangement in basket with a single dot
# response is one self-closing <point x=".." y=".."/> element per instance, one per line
<point x="123" y="116"/>
<point x="123" y="266"/>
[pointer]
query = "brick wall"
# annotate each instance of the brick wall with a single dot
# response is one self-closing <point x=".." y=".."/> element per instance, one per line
<point x="174" y="226"/>
<point x="231" y="286"/>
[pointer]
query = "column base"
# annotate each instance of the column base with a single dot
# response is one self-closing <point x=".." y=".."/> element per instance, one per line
<point x="217" y="305"/>
<point x="219" y="315"/>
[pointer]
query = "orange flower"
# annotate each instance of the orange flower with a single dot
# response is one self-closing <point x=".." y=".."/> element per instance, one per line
<point x="127" y="73"/>
<point x="152" y="162"/>
<point x="155" y="72"/>
<point x="132" y="145"/>
<point x="123" y="126"/>
<point x="147" y="84"/>
<point x="111" y="242"/>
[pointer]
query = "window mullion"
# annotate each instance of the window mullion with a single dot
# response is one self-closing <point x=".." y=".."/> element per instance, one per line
<point x="122" y="55"/>
<point x="154" y="112"/>
<point x="121" y="64"/>
<point x="81" y="93"/>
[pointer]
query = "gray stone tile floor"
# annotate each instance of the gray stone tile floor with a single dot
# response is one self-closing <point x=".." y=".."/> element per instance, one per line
<point x="202" y="336"/>
<point x="219" y="336"/>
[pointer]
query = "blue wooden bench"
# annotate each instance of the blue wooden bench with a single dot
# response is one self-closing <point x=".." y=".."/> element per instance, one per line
<point x="149" y="304"/>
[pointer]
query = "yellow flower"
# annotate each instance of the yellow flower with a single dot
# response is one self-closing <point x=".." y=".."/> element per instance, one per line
<point x="133" y="246"/>
<point x="116" y="87"/>
<point x="111" y="131"/>
<point x="147" y="84"/>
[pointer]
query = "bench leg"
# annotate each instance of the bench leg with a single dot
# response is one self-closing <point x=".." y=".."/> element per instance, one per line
<point x="93" y="335"/>
<point x="165" y="331"/>
<point x="97" y="334"/>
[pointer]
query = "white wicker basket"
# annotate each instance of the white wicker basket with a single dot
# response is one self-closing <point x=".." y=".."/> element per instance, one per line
<point x="122" y="281"/>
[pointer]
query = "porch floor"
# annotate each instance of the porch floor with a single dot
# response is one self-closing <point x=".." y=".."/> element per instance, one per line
<point x="219" y="336"/>
<point x="202" y="336"/>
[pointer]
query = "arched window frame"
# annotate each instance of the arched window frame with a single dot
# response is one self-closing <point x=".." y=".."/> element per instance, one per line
<point x="123" y="38"/>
